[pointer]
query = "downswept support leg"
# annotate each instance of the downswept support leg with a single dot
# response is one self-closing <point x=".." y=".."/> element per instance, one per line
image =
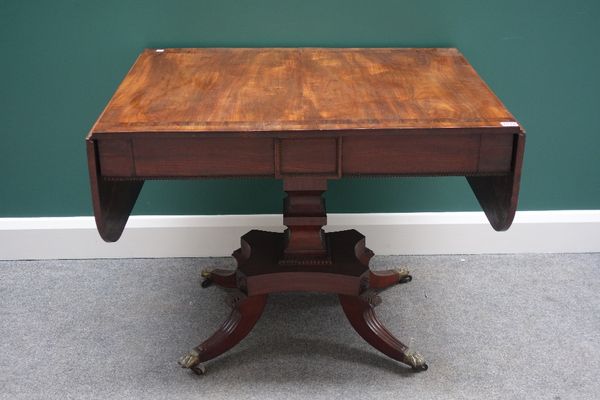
<point x="360" y="312"/>
<point x="244" y="315"/>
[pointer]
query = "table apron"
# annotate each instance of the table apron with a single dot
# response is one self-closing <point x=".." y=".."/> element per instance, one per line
<point x="327" y="157"/>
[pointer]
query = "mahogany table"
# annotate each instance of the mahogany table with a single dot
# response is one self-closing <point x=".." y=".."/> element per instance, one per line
<point x="304" y="116"/>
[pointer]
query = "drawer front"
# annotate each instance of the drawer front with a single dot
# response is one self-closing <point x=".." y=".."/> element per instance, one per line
<point x="203" y="157"/>
<point x="411" y="154"/>
<point x="185" y="157"/>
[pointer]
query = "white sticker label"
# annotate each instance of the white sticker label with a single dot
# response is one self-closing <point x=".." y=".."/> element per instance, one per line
<point x="509" y="123"/>
<point x="160" y="50"/>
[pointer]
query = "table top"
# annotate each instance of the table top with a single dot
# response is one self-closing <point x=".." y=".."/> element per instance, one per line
<point x="300" y="89"/>
<point x="302" y="115"/>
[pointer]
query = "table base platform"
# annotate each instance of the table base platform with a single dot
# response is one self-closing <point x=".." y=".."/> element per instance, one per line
<point x="263" y="269"/>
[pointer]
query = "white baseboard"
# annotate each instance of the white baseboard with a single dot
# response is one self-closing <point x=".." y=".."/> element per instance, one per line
<point x="562" y="231"/>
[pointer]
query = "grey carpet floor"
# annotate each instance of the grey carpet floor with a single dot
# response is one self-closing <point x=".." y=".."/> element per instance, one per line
<point x="491" y="327"/>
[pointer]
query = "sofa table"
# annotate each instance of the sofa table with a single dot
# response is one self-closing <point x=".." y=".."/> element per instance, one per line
<point x="302" y="115"/>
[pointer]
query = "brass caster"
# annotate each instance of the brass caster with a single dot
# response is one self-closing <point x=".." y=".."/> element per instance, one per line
<point x="206" y="274"/>
<point x="420" y="368"/>
<point x="201" y="369"/>
<point x="192" y="361"/>
<point x="416" y="361"/>
<point x="404" y="275"/>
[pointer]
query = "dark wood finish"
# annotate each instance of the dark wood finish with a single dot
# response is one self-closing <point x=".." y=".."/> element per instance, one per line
<point x="304" y="215"/>
<point x="203" y="157"/>
<point x="495" y="154"/>
<point x="331" y="156"/>
<point x="312" y="156"/>
<point x="411" y="155"/>
<point x="360" y="312"/>
<point x="498" y="195"/>
<point x="381" y="280"/>
<point x="221" y="277"/>
<point x="304" y="116"/>
<point x="244" y="315"/>
<point x="116" y="158"/>
<point x="112" y="200"/>
<point x="260" y="270"/>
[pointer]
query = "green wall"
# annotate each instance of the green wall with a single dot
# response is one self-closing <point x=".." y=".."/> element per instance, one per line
<point x="61" y="60"/>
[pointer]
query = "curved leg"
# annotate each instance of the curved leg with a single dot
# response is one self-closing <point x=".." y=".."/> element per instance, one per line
<point x="246" y="312"/>
<point x="360" y="312"/>
<point x="384" y="279"/>
<point x="220" y="277"/>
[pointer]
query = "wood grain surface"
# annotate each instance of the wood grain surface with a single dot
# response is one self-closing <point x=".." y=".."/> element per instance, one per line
<point x="300" y="89"/>
<point x="306" y="115"/>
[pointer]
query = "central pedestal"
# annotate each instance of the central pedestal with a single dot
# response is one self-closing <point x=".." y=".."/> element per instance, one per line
<point x="303" y="258"/>
<point x="304" y="215"/>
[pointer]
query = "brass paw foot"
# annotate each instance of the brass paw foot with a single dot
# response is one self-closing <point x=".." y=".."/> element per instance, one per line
<point x="223" y="278"/>
<point x="381" y="280"/>
<point x="206" y="274"/>
<point x="192" y="362"/>
<point x="416" y="361"/>
<point x="404" y="275"/>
